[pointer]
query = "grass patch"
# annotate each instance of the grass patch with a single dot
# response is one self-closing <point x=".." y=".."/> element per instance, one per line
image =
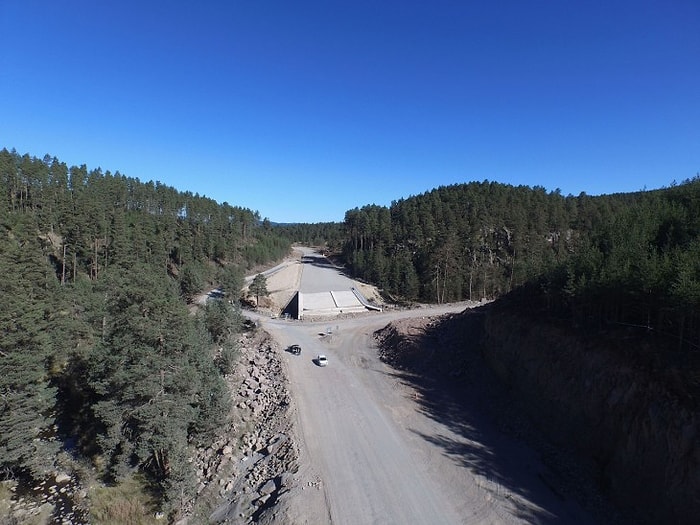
<point x="6" y="492"/>
<point x="129" y="502"/>
<point x="5" y="500"/>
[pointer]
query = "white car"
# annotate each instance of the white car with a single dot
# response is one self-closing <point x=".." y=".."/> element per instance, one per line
<point x="321" y="360"/>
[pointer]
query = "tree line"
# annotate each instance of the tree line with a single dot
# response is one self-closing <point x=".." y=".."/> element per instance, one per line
<point x="99" y="354"/>
<point x="628" y="259"/>
<point x="468" y="241"/>
<point x="330" y="235"/>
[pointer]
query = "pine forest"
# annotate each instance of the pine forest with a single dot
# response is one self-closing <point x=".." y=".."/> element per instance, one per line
<point x="98" y="352"/>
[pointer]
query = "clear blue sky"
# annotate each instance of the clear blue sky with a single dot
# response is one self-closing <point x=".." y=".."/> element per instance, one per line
<point x="302" y="110"/>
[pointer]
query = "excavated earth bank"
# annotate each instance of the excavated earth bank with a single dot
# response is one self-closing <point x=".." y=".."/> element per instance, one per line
<point x="643" y="437"/>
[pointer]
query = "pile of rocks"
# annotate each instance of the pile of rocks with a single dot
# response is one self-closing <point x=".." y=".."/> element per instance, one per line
<point x="247" y="467"/>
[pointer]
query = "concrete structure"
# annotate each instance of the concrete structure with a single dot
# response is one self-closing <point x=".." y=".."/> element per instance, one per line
<point x="327" y="303"/>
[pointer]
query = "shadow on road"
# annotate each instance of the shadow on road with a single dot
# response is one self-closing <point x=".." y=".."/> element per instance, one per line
<point x="324" y="262"/>
<point x="485" y="431"/>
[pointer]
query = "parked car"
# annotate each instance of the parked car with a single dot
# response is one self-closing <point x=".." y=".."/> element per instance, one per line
<point x="295" y="349"/>
<point x="321" y="360"/>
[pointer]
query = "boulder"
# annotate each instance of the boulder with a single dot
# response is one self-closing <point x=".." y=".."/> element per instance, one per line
<point x="268" y="488"/>
<point x="62" y="477"/>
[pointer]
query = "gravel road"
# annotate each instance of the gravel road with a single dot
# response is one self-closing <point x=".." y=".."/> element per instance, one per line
<point x="369" y="454"/>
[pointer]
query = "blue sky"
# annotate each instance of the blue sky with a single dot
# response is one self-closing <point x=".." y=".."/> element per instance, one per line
<point x="302" y="110"/>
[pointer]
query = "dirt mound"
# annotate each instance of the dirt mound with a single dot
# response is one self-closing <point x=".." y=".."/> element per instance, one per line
<point x="402" y="343"/>
<point x="610" y="431"/>
<point x="437" y="345"/>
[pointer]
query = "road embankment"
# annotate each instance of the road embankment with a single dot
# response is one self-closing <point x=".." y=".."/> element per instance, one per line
<point x="642" y="437"/>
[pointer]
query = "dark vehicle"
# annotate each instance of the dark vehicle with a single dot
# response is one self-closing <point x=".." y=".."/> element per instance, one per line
<point x="295" y="349"/>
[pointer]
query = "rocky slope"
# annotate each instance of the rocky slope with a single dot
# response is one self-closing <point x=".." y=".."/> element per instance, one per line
<point x="243" y="473"/>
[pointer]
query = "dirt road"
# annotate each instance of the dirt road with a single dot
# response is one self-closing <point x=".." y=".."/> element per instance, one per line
<point x="368" y="472"/>
<point x="370" y="454"/>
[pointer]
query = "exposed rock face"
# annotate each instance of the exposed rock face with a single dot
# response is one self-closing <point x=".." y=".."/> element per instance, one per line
<point x="644" y="438"/>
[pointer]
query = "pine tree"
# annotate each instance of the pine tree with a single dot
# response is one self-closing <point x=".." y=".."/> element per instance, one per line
<point x="258" y="287"/>
<point x="154" y="380"/>
<point x="27" y="399"/>
<point x="191" y="282"/>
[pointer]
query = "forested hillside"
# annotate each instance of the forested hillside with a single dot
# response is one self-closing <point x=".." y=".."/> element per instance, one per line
<point x="594" y="263"/>
<point x="99" y="354"/>
<point x="468" y="241"/>
<point x="595" y="330"/>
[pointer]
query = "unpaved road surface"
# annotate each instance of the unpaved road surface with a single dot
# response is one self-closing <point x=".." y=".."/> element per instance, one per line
<point x="369" y="455"/>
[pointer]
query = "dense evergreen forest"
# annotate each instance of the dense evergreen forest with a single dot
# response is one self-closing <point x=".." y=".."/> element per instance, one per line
<point x="99" y="354"/>
<point x="596" y="263"/>
<point x="469" y="241"/>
